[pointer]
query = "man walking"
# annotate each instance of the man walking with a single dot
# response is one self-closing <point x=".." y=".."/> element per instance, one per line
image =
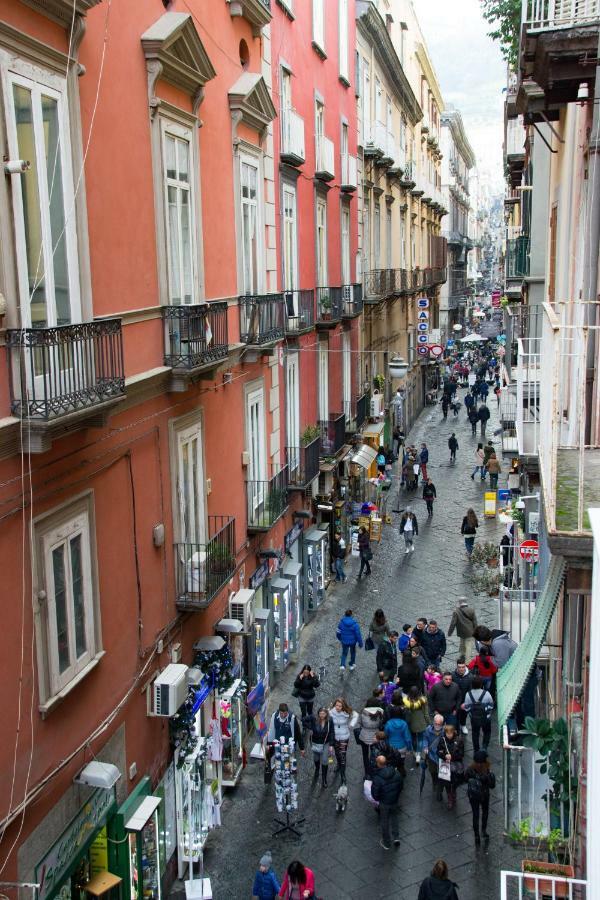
<point x="409" y="528"/>
<point x="464" y="620"/>
<point x="348" y="634"/>
<point x="338" y="551"/>
<point x="478" y="704"/>
<point x="423" y="460"/>
<point x="453" y="446"/>
<point x="387" y="656"/>
<point x="284" y="724"/>
<point x="444" y="698"/>
<point x="463" y="678"/>
<point x="429" y="495"/>
<point x="473" y="419"/>
<point x="433" y="643"/>
<point x="431" y="739"/>
<point x="483" y="414"/>
<point x="386" y="788"/>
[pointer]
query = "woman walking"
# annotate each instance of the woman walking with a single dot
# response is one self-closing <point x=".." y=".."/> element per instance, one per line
<point x="451" y="750"/>
<point x="364" y="549"/>
<point x="468" y="529"/>
<point x="418" y="718"/>
<point x="494" y="468"/>
<point x="438" y="886"/>
<point x="323" y="736"/>
<point x="370" y="722"/>
<point x="304" y="686"/>
<point x="480" y="780"/>
<point x="343" y="720"/>
<point x="299" y="882"/>
<point x="379" y="628"/>
<point x="479" y="462"/>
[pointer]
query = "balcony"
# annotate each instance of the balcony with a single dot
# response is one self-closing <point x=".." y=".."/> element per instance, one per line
<point x="333" y="434"/>
<point x="292" y="138"/>
<point x="375" y="139"/>
<point x="517" y="257"/>
<point x="303" y="464"/>
<point x="516" y="607"/>
<point x="195" y="340"/>
<point x="202" y="570"/>
<point x="379" y="284"/>
<point x="528" y="396"/>
<point x="355" y="413"/>
<point x="261" y="319"/>
<point x="257" y="12"/>
<point x="401" y="281"/>
<point x="408" y="179"/>
<point x="352" y="300"/>
<point x="324" y="158"/>
<point x="390" y="151"/>
<point x="514" y="149"/>
<point x="65" y="374"/>
<point x="299" y="311"/>
<point x="349" y="177"/>
<point x="439" y="275"/>
<point x="517" y="885"/>
<point x="362" y="410"/>
<point x="329" y="306"/>
<point x="267" y="500"/>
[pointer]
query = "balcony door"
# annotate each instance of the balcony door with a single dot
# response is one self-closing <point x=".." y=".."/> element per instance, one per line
<point x="345" y="238"/>
<point x="289" y="244"/>
<point x="190" y="486"/>
<point x="292" y="410"/>
<point x="347" y="376"/>
<point x="321" y="214"/>
<point x="255" y="444"/>
<point x="251" y="219"/>
<point x="366" y="102"/>
<point x="323" y="382"/>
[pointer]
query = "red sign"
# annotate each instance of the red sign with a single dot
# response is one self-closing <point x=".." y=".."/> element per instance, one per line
<point x="496" y="299"/>
<point x="436" y="350"/>
<point x="530" y="551"/>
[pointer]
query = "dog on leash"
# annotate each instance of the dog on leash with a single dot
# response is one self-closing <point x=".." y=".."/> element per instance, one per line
<point x="341" y="798"/>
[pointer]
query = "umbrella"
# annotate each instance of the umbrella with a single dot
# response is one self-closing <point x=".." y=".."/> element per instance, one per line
<point x="423" y="774"/>
<point x="472" y="338"/>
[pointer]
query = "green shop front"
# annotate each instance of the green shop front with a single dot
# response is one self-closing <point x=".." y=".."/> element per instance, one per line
<point x="134" y="845"/>
<point x="76" y="866"/>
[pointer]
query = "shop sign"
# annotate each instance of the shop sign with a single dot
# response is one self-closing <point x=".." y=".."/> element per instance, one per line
<point x="53" y="867"/>
<point x="259" y="576"/>
<point x="422" y="339"/>
<point x="422" y="326"/>
<point x="423" y="315"/>
<point x="292" y="535"/>
<point x="423" y="351"/>
<point x="436" y="350"/>
<point x="423" y="302"/>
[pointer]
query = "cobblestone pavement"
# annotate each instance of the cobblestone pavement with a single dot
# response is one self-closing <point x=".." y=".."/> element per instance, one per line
<point x="344" y="849"/>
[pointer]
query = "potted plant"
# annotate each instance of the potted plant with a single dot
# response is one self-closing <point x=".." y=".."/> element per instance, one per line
<point x="310" y="434"/>
<point x="485" y="553"/>
<point x="488" y="582"/>
<point x="379" y="382"/>
<point x="325" y="306"/>
<point x="556" y="845"/>
<point x="539" y="886"/>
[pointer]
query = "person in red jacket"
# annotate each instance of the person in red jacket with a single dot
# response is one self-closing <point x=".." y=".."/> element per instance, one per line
<point x="484" y="666"/>
<point x="299" y="882"/>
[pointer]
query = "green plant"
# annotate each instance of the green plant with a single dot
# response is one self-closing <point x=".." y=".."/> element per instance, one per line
<point x="518" y="515"/>
<point x="379" y="382"/>
<point x="504" y="302"/>
<point x="551" y="741"/>
<point x="325" y="302"/>
<point x="484" y="551"/>
<point x="558" y="845"/>
<point x="505" y="15"/>
<point x="310" y="434"/>
<point x="220" y="559"/>
<point x="487" y="581"/>
<point x="520" y="833"/>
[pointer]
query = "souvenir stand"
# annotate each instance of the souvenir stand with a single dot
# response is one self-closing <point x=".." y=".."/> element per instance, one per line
<point x="286" y="786"/>
<point x="315" y="568"/>
<point x="136" y="844"/>
<point x="231" y="707"/>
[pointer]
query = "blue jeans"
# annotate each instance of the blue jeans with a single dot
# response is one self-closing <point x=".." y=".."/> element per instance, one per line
<point x="352" y="649"/>
<point x="481" y="471"/>
<point x="469" y="541"/>
<point x="493" y="480"/>
<point x="340" y="575"/>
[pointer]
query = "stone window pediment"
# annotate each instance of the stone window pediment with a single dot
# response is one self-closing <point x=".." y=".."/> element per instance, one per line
<point x="61" y="11"/>
<point x="250" y="102"/>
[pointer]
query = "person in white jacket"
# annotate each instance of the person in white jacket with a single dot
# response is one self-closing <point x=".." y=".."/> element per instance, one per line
<point x="343" y="719"/>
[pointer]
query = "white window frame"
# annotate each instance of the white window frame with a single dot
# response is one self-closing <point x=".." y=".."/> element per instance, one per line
<point x="181" y="133"/>
<point x="323" y="357"/>
<point x="253" y="160"/>
<point x="366" y="234"/>
<point x="292" y="409"/>
<point x="318" y="16"/>
<point x="321" y="242"/>
<point x="377" y="234"/>
<point x="14" y="71"/>
<point x="388" y="236"/>
<point x="378" y="100"/>
<point x="345" y="244"/>
<point x="347" y="375"/>
<point x="366" y="101"/>
<point x="289" y="237"/>
<point x="189" y="433"/>
<point x="343" y="42"/>
<point x="51" y="531"/>
<point x="402" y="240"/>
<point x="256" y="446"/>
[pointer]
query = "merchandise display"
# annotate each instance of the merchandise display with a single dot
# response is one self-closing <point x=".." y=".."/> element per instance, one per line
<point x="286" y="785"/>
<point x="232" y="718"/>
<point x="280" y="592"/>
<point x="315" y="567"/>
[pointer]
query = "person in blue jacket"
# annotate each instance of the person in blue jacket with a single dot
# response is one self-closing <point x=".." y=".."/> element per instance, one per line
<point x="398" y="734"/>
<point x="348" y="634"/>
<point x="266" y="885"/>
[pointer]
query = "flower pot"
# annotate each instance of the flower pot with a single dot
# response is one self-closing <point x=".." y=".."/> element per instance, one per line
<point x="560" y="888"/>
<point x="492" y="563"/>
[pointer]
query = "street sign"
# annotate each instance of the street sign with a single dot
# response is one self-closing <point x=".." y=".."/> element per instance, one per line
<point x="422" y="339"/>
<point x="436" y="350"/>
<point x="423" y="302"/>
<point x="449" y="344"/>
<point x="423" y="351"/>
<point x="530" y="551"/>
<point x="423" y="314"/>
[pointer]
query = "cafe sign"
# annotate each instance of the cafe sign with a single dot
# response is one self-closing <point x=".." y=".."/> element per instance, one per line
<point x="52" y="869"/>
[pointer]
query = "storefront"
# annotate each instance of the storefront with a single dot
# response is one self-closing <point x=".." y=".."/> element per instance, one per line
<point x="231" y="713"/>
<point x="134" y="844"/>
<point x="282" y="605"/>
<point x="292" y="570"/>
<point x="315" y="562"/>
<point x="260" y="650"/>
<point x="77" y="865"/>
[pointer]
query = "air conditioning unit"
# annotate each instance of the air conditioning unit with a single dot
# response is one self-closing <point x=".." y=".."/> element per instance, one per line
<point x="376" y="406"/>
<point x="170" y="690"/>
<point x="240" y="608"/>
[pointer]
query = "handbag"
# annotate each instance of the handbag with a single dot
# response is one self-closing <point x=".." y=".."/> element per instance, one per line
<point x="295" y="692"/>
<point x="444" y="770"/>
<point x="368" y="554"/>
<point x="369" y="643"/>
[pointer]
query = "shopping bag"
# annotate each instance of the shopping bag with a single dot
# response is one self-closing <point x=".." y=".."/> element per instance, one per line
<point x="444" y="770"/>
<point x="369" y="643"/>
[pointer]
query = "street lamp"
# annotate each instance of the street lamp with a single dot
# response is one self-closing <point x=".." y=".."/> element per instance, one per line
<point x="397" y="367"/>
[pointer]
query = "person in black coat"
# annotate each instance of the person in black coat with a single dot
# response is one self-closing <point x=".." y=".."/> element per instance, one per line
<point x="438" y="886"/>
<point x="387" y="656"/>
<point x="305" y="684"/>
<point x="410" y="673"/>
<point x="386" y="788"/>
<point x="480" y="780"/>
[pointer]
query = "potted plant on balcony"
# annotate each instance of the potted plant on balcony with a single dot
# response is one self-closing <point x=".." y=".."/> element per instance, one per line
<point x="485" y="553"/>
<point x="379" y="382"/>
<point x="310" y="434"/>
<point x="325" y="306"/>
<point x="487" y="582"/>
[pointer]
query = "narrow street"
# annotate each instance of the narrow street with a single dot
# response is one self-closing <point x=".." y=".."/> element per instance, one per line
<point x="344" y="849"/>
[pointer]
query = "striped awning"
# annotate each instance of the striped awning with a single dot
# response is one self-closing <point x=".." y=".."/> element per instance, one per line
<point x="512" y="677"/>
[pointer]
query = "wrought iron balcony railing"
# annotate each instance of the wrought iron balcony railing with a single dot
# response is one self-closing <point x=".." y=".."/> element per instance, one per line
<point x="299" y="310"/>
<point x="303" y="464"/>
<point x="333" y="434"/>
<point x="379" y="283"/>
<point x="267" y="500"/>
<point x="201" y="570"/>
<point x="261" y="318"/>
<point x="439" y="275"/>
<point x="352" y="300"/>
<point x="64" y="370"/>
<point x="362" y="410"/>
<point x="195" y="336"/>
<point x="329" y="304"/>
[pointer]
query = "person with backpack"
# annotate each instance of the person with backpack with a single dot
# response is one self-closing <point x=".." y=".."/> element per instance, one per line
<point x="484" y="666"/>
<point x="480" y="780"/>
<point x="453" y="447"/>
<point x="381" y="460"/>
<point x="478" y="705"/>
<point x="386" y="788"/>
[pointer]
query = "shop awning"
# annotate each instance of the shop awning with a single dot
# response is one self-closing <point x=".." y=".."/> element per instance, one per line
<point x="144" y="811"/>
<point x="512" y="677"/>
<point x="364" y="457"/>
<point x="101" y="883"/>
<point x="229" y="626"/>
<point x="374" y="430"/>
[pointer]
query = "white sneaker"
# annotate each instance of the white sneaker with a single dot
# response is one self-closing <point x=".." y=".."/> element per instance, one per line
<point x="342" y="668"/>
<point x="412" y="548"/>
<point x="352" y="668"/>
<point x="464" y="729"/>
<point x="407" y="551"/>
<point x="417" y="757"/>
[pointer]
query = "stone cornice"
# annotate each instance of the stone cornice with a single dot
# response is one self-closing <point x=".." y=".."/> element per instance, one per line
<point x="453" y="120"/>
<point x="430" y="75"/>
<point x="61" y="11"/>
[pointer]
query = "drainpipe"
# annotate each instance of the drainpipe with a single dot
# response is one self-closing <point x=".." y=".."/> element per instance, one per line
<point x="590" y="260"/>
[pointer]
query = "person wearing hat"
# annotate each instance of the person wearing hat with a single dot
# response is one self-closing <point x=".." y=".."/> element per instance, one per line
<point x="464" y="621"/>
<point x="266" y="886"/>
<point x="480" y="780"/>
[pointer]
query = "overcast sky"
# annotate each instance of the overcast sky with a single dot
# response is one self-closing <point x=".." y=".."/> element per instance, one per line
<point x="471" y="73"/>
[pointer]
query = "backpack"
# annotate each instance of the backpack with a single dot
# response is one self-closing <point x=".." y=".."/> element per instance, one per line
<point x="478" y="711"/>
<point x="477" y="789"/>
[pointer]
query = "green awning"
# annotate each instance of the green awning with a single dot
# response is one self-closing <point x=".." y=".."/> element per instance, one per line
<point x="512" y="677"/>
